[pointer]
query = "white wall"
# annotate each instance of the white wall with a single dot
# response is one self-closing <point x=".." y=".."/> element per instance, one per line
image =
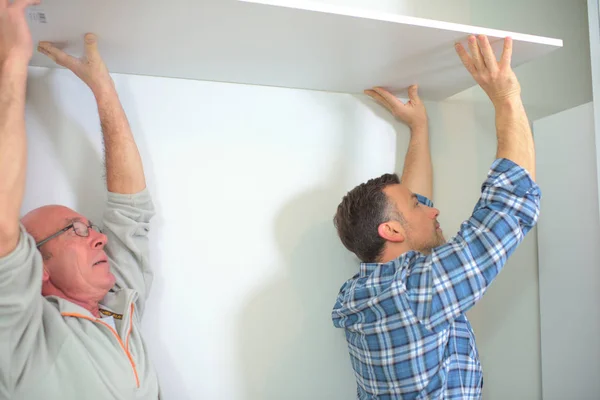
<point x="569" y="233"/>
<point x="594" y="29"/>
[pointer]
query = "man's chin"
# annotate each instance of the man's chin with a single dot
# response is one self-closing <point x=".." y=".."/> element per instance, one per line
<point x="441" y="239"/>
<point x="109" y="282"/>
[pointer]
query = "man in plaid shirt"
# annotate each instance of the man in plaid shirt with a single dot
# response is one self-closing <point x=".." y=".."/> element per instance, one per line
<point x="404" y="312"/>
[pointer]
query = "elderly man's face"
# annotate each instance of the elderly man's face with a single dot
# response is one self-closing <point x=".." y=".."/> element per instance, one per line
<point x="75" y="266"/>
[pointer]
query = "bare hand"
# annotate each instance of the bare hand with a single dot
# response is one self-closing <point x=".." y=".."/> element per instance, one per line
<point x="15" y="38"/>
<point x="90" y="68"/>
<point x="412" y="113"/>
<point x="497" y="79"/>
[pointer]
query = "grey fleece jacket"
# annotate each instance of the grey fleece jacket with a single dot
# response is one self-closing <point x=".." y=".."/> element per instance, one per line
<point x="51" y="348"/>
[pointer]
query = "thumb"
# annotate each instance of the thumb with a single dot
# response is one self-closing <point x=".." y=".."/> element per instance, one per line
<point x="413" y="94"/>
<point x="91" y="46"/>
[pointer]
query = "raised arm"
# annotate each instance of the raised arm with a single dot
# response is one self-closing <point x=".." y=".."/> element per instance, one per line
<point x="21" y="321"/>
<point x="460" y="272"/>
<point x="16" y="50"/>
<point x="417" y="174"/>
<point x="124" y="170"/>
<point x="129" y="208"/>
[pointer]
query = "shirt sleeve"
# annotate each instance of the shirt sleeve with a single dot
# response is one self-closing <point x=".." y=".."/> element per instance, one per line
<point x="29" y="335"/>
<point x="126" y="222"/>
<point x="448" y="282"/>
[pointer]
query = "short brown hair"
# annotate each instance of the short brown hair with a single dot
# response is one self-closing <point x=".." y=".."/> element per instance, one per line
<point x="359" y="215"/>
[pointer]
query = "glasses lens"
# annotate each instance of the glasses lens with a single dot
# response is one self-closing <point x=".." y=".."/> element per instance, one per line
<point x="81" y="229"/>
<point x="96" y="228"/>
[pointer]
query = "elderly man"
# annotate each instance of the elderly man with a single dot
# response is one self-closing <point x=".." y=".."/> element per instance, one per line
<point x="71" y="294"/>
<point x="404" y="311"/>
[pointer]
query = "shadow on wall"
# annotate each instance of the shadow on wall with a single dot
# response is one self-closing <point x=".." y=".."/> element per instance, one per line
<point x="287" y="344"/>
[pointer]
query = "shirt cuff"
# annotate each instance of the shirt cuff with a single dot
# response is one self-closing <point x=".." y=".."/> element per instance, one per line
<point x="140" y="199"/>
<point x="509" y="175"/>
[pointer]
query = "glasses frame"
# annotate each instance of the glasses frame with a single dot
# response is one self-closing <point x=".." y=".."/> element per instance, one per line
<point x="66" y="228"/>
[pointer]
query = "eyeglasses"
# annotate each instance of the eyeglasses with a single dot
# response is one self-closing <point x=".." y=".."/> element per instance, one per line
<point x="80" y="228"/>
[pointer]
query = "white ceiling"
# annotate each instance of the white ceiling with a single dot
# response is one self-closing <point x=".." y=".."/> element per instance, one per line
<point x="296" y="44"/>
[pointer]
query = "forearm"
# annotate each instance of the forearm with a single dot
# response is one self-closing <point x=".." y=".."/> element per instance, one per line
<point x="13" y="147"/>
<point x="418" y="171"/>
<point x="515" y="140"/>
<point x="124" y="169"/>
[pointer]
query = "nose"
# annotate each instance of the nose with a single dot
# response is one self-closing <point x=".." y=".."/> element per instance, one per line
<point x="98" y="239"/>
<point x="434" y="213"/>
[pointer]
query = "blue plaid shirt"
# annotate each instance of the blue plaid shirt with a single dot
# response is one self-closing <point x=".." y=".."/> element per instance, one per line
<point x="405" y="322"/>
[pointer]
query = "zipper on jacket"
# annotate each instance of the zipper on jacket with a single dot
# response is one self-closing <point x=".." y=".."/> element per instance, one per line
<point x="125" y="349"/>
